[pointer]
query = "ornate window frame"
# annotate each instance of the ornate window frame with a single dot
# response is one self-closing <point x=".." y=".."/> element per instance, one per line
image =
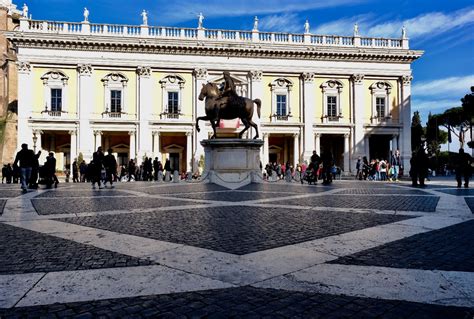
<point x="171" y="83"/>
<point x="331" y="88"/>
<point x="281" y="86"/>
<point x="114" y="81"/>
<point x="55" y="79"/>
<point x="380" y="89"/>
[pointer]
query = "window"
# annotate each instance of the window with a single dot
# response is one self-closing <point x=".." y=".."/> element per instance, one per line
<point x="281" y="105"/>
<point x="115" y="101"/>
<point x="332" y="107"/>
<point x="56" y="100"/>
<point x="173" y="102"/>
<point x="380" y="106"/>
<point x="281" y="99"/>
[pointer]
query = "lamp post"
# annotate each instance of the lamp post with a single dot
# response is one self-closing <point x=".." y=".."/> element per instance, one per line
<point x="35" y="139"/>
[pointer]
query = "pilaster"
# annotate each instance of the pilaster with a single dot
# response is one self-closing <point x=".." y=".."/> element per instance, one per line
<point x="133" y="146"/>
<point x="256" y="93"/>
<point x="347" y="162"/>
<point x="85" y="103"/>
<point x="359" y="149"/>
<point x="25" y="103"/>
<point x="189" y="151"/>
<point x="405" y="137"/>
<point x="309" y="105"/>
<point x="200" y="79"/>
<point x="145" y="105"/>
<point x="73" y="151"/>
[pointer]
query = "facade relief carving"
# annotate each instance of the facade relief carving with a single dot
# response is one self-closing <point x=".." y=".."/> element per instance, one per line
<point x="309" y="76"/>
<point x="84" y="69"/>
<point x="256" y="75"/>
<point x="406" y="79"/>
<point x="144" y="71"/>
<point x="358" y="78"/>
<point x="23" y="67"/>
<point x="200" y="73"/>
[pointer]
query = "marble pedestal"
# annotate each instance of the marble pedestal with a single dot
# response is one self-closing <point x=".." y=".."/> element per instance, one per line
<point x="232" y="163"/>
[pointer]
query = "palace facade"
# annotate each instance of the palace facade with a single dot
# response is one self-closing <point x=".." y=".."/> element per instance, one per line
<point x="135" y="89"/>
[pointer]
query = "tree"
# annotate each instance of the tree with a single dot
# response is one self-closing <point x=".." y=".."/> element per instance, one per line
<point x="434" y="136"/>
<point x="468" y="108"/>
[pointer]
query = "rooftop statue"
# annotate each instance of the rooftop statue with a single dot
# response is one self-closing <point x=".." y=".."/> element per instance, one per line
<point x="255" y="24"/>
<point x="356" y="29"/>
<point x="227" y="105"/>
<point x="200" y="20"/>
<point x="25" y="11"/>
<point x="86" y="15"/>
<point x="306" y="27"/>
<point x="145" y="17"/>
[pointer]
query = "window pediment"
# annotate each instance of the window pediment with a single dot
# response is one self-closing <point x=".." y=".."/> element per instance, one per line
<point x="332" y="85"/>
<point x="55" y="76"/>
<point x="381" y="87"/>
<point x="281" y="83"/>
<point x="173" y="80"/>
<point x="116" y="78"/>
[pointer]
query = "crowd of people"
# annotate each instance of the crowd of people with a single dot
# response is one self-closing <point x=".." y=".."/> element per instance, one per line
<point x="103" y="169"/>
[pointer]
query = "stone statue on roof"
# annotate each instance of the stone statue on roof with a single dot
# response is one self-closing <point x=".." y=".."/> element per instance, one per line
<point x="306" y="26"/>
<point x="24" y="14"/>
<point x="200" y="20"/>
<point x="404" y="32"/>
<point x="356" y="29"/>
<point x="255" y="23"/>
<point x="145" y="17"/>
<point x="86" y="15"/>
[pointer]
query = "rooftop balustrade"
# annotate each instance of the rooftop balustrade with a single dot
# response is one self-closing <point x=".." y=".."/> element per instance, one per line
<point x="201" y="34"/>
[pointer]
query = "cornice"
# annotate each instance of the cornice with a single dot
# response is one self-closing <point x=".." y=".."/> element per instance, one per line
<point x="210" y="48"/>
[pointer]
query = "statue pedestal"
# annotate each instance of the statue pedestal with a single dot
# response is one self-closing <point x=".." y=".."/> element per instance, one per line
<point x="232" y="163"/>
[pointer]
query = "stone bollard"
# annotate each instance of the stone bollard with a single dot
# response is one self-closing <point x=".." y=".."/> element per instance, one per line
<point x="274" y="176"/>
<point x="167" y="176"/>
<point x="176" y="177"/>
<point x="189" y="176"/>
<point x="288" y="177"/>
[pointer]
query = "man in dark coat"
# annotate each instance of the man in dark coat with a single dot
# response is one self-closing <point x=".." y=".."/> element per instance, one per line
<point x="328" y="162"/>
<point x="463" y="168"/>
<point x="75" y="172"/>
<point x="110" y="164"/>
<point x="25" y="157"/>
<point x="96" y="167"/>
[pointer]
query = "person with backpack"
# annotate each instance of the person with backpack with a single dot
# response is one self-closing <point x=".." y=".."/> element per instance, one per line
<point x="25" y="157"/>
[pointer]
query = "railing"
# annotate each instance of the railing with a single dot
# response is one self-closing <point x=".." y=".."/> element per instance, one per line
<point x="170" y="116"/>
<point x="87" y="28"/>
<point x="112" y="115"/>
<point x="333" y="118"/>
<point x="278" y="117"/>
<point x="54" y="113"/>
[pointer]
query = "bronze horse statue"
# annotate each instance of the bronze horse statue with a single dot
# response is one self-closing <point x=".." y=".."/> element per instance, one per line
<point x="219" y="106"/>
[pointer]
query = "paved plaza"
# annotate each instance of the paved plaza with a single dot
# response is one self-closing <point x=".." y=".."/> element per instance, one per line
<point x="354" y="249"/>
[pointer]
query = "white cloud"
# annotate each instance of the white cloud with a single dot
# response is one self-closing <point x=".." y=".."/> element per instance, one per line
<point x="452" y="87"/>
<point x="177" y="11"/>
<point x="288" y="22"/>
<point x="429" y="24"/>
<point x="345" y="26"/>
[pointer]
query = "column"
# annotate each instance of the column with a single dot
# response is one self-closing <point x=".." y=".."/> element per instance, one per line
<point x="25" y="103"/>
<point x="189" y="151"/>
<point x="317" y="142"/>
<point x="405" y="138"/>
<point x="97" y="139"/>
<point x="296" y="149"/>
<point x="394" y="143"/>
<point x="360" y="148"/>
<point x="37" y="140"/>
<point x="367" y="147"/>
<point x="85" y="103"/>
<point x="200" y="76"/>
<point x="156" y="145"/>
<point x="309" y="105"/>
<point x="73" y="152"/>
<point x="133" y="148"/>
<point x="346" y="154"/>
<point x="257" y="93"/>
<point x="265" y="149"/>
<point x="145" y="105"/>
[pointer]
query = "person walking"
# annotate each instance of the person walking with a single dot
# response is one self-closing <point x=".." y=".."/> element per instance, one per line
<point x="110" y="164"/>
<point x="25" y="157"/>
<point x="83" y="171"/>
<point x="131" y="170"/>
<point x="4" y="172"/>
<point x="396" y="163"/>
<point x="96" y="167"/>
<point x="463" y="168"/>
<point x="328" y="162"/>
<point x="51" y="170"/>
<point x="75" y="172"/>
<point x="35" y="171"/>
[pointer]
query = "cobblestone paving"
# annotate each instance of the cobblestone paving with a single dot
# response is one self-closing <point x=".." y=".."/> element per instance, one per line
<point x="82" y="193"/>
<point x="242" y="302"/>
<point x="79" y="205"/>
<point x="290" y="188"/>
<point x="10" y="193"/>
<point x="163" y="189"/>
<point x="2" y="205"/>
<point x="382" y="191"/>
<point x="382" y="202"/>
<point x="458" y="191"/>
<point x="445" y="249"/>
<point x="24" y="251"/>
<point x="470" y="203"/>
<point x="232" y="196"/>
<point x="236" y="229"/>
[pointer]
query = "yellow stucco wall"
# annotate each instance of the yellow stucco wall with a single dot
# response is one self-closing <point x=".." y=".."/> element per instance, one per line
<point x="39" y="101"/>
<point x="294" y="97"/>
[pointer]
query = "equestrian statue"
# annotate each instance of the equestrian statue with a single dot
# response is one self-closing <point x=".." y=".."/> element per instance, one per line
<point x="227" y="105"/>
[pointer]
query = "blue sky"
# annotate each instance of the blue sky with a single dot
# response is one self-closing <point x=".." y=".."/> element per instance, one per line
<point x="444" y="29"/>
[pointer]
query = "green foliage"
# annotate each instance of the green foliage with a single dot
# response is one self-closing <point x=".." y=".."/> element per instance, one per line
<point x="434" y="136"/>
